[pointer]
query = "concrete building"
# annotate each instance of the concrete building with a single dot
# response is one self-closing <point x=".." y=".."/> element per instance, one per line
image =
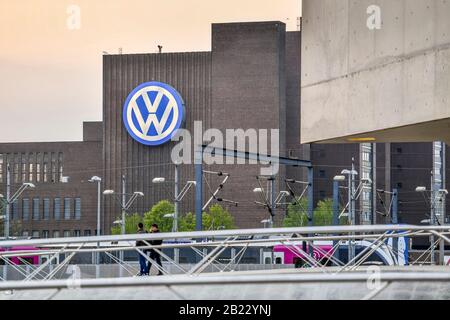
<point x="376" y="70"/>
<point x="401" y="166"/>
<point x="240" y="84"/>
<point x="54" y="208"/>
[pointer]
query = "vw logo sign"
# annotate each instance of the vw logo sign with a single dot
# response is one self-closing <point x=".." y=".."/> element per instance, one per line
<point x="153" y="112"/>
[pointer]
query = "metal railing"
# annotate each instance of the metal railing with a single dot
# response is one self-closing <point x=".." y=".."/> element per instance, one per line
<point x="304" y="243"/>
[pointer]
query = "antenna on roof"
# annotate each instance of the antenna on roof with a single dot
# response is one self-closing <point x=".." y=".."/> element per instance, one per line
<point x="160" y="48"/>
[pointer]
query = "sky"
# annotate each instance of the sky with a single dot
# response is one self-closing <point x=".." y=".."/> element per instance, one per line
<point x="51" y="52"/>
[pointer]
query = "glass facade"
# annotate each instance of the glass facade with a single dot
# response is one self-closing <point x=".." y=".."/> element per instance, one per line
<point x="15" y="210"/>
<point x="36" y="209"/>
<point x="77" y="208"/>
<point x="25" y="209"/>
<point x="57" y="208"/>
<point x="67" y="207"/>
<point x="46" y="204"/>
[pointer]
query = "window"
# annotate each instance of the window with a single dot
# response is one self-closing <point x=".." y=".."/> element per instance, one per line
<point x="291" y="153"/>
<point x="322" y="174"/>
<point x="15" y="210"/>
<point x="54" y="168"/>
<point x="77" y="208"/>
<point x="55" y="234"/>
<point x="30" y="167"/>
<point x="25" y="233"/>
<point x="46" y="208"/>
<point x="322" y="194"/>
<point x="77" y="233"/>
<point x="25" y="209"/>
<point x="60" y="166"/>
<point x="66" y="234"/>
<point x="45" y="167"/>
<point x="38" y="167"/>
<point x="1" y="167"/>
<point x="57" y="208"/>
<point x="24" y="167"/>
<point x="36" y="209"/>
<point x="16" y="168"/>
<point x="45" y="234"/>
<point x="399" y="185"/>
<point x="399" y="150"/>
<point x="67" y="208"/>
<point x="35" y="234"/>
<point x="87" y="233"/>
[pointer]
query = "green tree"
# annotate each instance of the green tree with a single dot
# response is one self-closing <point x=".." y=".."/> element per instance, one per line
<point x="131" y="222"/>
<point x="156" y="215"/>
<point x="216" y="218"/>
<point x="187" y="222"/>
<point x="322" y="215"/>
<point x="16" y="228"/>
<point x="296" y="214"/>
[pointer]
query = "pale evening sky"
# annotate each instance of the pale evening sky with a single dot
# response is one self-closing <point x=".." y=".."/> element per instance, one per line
<point x="51" y="76"/>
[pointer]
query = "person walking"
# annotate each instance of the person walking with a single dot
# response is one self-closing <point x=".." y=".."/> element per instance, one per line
<point x="142" y="260"/>
<point x="155" y="256"/>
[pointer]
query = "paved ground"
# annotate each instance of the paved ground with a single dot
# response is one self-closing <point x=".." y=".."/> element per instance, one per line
<point x="391" y="283"/>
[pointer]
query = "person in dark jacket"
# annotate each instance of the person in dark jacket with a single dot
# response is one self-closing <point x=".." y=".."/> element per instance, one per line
<point x="142" y="261"/>
<point x="155" y="256"/>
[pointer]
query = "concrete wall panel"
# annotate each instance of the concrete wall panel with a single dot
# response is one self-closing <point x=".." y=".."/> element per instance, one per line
<point x="325" y="40"/>
<point x="374" y="79"/>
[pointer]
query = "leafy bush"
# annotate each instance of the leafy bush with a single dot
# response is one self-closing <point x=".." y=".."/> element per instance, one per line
<point x="131" y="225"/>
<point x="216" y="218"/>
<point x="322" y="216"/>
<point x="156" y="215"/>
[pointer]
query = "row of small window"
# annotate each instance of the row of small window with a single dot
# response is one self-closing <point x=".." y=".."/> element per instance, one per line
<point x="56" y="233"/>
<point x="41" y="209"/>
<point x="32" y="167"/>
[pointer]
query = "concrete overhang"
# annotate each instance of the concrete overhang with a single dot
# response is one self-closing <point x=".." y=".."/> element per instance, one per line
<point x="438" y="130"/>
<point x="384" y="84"/>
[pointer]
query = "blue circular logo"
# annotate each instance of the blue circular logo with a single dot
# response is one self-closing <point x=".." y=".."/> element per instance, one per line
<point x="153" y="112"/>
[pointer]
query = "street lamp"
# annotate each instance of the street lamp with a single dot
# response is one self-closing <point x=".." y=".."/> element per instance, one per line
<point x="436" y="214"/>
<point x="351" y="204"/>
<point x="98" y="180"/>
<point x="266" y="221"/>
<point x="339" y="178"/>
<point x="421" y="189"/>
<point x="11" y="199"/>
<point x="125" y="206"/>
<point x="258" y="190"/>
<point x="178" y="195"/>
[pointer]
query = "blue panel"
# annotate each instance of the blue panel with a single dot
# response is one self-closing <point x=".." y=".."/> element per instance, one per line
<point x="152" y="138"/>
